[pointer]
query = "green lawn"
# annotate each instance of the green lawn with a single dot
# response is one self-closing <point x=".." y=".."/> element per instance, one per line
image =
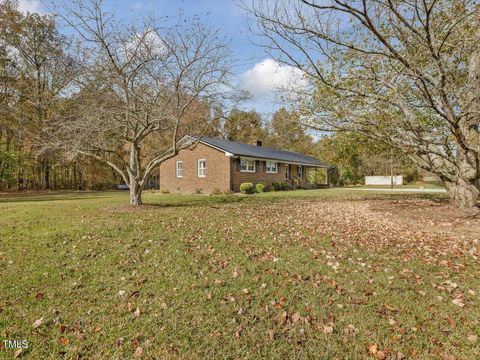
<point x="407" y="186"/>
<point x="288" y="275"/>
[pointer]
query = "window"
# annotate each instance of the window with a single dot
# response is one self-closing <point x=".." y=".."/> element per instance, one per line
<point x="287" y="171"/>
<point x="247" y="165"/>
<point x="179" y="169"/>
<point x="271" y="167"/>
<point x="300" y="171"/>
<point x="201" y="168"/>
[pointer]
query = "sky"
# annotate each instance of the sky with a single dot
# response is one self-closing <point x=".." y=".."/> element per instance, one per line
<point x="254" y="70"/>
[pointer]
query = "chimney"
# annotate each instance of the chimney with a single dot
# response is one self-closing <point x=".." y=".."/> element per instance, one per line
<point x="258" y="142"/>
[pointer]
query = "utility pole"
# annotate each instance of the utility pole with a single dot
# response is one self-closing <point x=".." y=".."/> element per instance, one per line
<point x="391" y="168"/>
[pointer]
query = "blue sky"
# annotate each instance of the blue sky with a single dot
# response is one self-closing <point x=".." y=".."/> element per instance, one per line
<point x="254" y="70"/>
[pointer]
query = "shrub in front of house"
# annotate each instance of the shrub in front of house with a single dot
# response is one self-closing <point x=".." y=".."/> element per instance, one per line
<point x="276" y="186"/>
<point x="246" y="188"/>
<point x="216" y="192"/>
<point x="285" y="186"/>
<point x="260" y="187"/>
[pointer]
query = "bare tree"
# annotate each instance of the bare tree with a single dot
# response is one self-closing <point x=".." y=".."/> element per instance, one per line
<point x="138" y="85"/>
<point x="405" y="72"/>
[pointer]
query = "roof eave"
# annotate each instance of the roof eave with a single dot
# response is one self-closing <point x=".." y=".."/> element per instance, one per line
<point x="283" y="160"/>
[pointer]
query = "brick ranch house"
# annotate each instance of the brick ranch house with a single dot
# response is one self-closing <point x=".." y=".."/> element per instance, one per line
<point x="222" y="165"/>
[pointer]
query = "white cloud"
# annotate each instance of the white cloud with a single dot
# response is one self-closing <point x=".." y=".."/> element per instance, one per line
<point x="31" y="6"/>
<point x="268" y="77"/>
<point x="148" y="42"/>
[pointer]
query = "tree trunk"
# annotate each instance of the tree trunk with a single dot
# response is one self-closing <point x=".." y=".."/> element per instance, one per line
<point x="135" y="194"/>
<point x="136" y="186"/>
<point x="463" y="193"/>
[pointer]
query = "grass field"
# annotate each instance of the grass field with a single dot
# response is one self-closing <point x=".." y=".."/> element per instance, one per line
<point x="307" y="274"/>
<point x="408" y="186"/>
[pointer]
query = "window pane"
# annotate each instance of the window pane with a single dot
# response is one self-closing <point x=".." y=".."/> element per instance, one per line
<point x="247" y="165"/>
<point x="179" y="168"/>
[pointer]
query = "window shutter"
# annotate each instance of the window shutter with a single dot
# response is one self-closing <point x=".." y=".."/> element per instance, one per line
<point x="264" y="166"/>
<point x="257" y="164"/>
<point x="238" y="164"/>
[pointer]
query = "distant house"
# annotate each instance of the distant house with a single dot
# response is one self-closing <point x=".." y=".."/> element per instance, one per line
<point x="222" y="165"/>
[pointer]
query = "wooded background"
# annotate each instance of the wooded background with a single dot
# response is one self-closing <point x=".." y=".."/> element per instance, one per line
<point x="41" y="70"/>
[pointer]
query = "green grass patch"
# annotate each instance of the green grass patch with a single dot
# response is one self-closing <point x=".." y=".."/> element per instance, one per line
<point x="194" y="276"/>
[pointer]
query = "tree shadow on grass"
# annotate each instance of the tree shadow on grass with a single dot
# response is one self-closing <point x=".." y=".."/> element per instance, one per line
<point x="51" y="196"/>
<point x="201" y="201"/>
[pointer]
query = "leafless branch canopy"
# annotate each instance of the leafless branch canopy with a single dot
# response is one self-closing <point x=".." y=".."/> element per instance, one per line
<point x="140" y="83"/>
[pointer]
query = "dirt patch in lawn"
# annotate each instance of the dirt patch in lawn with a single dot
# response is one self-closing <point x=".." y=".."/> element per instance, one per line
<point x="405" y="229"/>
<point x="435" y="216"/>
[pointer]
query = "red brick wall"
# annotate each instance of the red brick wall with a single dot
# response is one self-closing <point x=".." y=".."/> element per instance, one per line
<point x="217" y="171"/>
<point x="261" y="176"/>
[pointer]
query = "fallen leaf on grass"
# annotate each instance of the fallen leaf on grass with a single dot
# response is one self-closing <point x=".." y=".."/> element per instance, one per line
<point x="373" y="349"/>
<point x="280" y="304"/>
<point x="136" y="313"/>
<point x="328" y="330"/>
<point x="351" y="330"/>
<point x="472" y="338"/>
<point x="63" y="341"/>
<point x="296" y="317"/>
<point x="38" y="323"/>
<point x="458" y="302"/>
<point x="138" y="352"/>
<point x="17" y="353"/>
<point x="452" y="322"/>
<point x="389" y="307"/>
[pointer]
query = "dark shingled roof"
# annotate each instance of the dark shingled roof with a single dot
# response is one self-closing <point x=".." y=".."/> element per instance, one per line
<point x="262" y="152"/>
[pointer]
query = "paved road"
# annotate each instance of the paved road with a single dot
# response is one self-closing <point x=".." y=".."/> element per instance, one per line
<point x="439" y="191"/>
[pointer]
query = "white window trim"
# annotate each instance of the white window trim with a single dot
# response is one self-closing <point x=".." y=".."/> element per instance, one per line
<point x="287" y="172"/>
<point x="269" y="171"/>
<point x="204" y="168"/>
<point x="176" y="168"/>
<point x="246" y="166"/>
